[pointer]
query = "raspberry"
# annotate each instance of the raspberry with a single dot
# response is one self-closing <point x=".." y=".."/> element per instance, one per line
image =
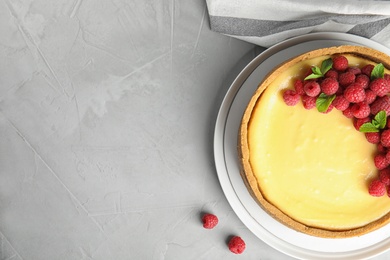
<point x="340" y="63"/>
<point x="381" y="103"/>
<point x="346" y="78"/>
<point x="209" y="221"/>
<point x="385" y="138"/>
<point x="312" y="88"/>
<point x="377" y="188"/>
<point x="290" y="97"/>
<point x="348" y="112"/>
<point x="382" y="149"/>
<point x="373" y="138"/>
<point x="380" y="161"/>
<point x="329" y="86"/>
<point x="362" y="80"/>
<point x="354" y="70"/>
<point x="360" y="110"/>
<point x="354" y="93"/>
<point x="388" y="156"/>
<point x="340" y="103"/>
<point x="298" y="86"/>
<point x="308" y="102"/>
<point x="384" y="176"/>
<point x="380" y="86"/>
<point x="358" y="122"/>
<point x="367" y="69"/>
<point x="370" y="96"/>
<point x="236" y="245"/>
<point x="332" y="74"/>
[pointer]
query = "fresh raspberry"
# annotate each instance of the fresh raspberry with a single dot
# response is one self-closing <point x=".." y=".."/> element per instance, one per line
<point x="380" y="86"/>
<point x="387" y="77"/>
<point x="354" y="93"/>
<point x="308" y="102"/>
<point x="330" y="108"/>
<point x="380" y="161"/>
<point x="377" y="188"/>
<point x="290" y="97"/>
<point x="370" y="96"/>
<point x="332" y="74"/>
<point x="354" y="70"/>
<point x="385" y="138"/>
<point x="236" y="245"/>
<point x="388" y="156"/>
<point x="329" y="86"/>
<point x="384" y="176"/>
<point x="363" y="80"/>
<point x="367" y="69"/>
<point x="381" y="148"/>
<point x="346" y="78"/>
<point x="340" y="63"/>
<point x="381" y="103"/>
<point x="340" y="103"/>
<point x="312" y="88"/>
<point x="298" y="86"/>
<point x="360" y="110"/>
<point x="373" y="137"/>
<point x="358" y="122"/>
<point x="348" y="112"/>
<point x="209" y="221"/>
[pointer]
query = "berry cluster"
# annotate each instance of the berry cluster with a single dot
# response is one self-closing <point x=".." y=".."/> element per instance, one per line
<point x="362" y="94"/>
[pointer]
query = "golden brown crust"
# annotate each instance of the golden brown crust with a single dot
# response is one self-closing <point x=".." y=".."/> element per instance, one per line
<point x="243" y="148"/>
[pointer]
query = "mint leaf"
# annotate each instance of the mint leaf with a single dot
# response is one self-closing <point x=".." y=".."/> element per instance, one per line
<point x="323" y="102"/>
<point x="368" y="128"/>
<point x="313" y="76"/>
<point x="378" y="71"/>
<point x="326" y="65"/>
<point x="380" y="119"/>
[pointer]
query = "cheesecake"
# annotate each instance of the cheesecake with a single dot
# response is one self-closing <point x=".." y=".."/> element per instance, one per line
<point x="311" y="170"/>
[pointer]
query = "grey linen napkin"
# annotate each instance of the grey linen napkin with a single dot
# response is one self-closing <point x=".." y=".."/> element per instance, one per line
<point x="267" y="22"/>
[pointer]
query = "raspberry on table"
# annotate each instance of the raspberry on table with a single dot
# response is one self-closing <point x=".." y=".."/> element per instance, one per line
<point x="340" y="63"/>
<point x="370" y="96"/>
<point x="380" y="161"/>
<point x="361" y="110"/>
<point x="312" y="88"/>
<point x="380" y="86"/>
<point x="377" y="188"/>
<point x="308" y="102"/>
<point x="367" y="69"/>
<point x="373" y="137"/>
<point x="209" y="220"/>
<point x="363" y="80"/>
<point x="346" y="78"/>
<point x="298" y="86"/>
<point x="381" y="103"/>
<point x="236" y="245"/>
<point x="340" y="103"/>
<point x="329" y="86"/>
<point x="384" y="176"/>
<point x="385" y="138"/>
<point x="354" y="93"/>
<point x="290" y="97"/>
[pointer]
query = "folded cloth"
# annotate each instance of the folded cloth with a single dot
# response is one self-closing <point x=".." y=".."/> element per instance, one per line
<point x="266" y="23"/>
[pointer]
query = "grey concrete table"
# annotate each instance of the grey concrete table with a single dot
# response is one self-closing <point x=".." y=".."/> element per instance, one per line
<point x="107" y="115"/>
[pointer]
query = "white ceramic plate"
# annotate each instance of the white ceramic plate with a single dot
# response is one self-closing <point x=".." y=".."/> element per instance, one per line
<point x="269" y="230"/>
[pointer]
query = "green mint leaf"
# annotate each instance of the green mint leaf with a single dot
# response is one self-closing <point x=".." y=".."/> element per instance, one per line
<point x="368" y="128"/>
<point x="316" y="70"/>
<point x="313" y="76"/>
<point x="323" y="102"/>
<point x="375" y="124"/>
<point x="380" y="119"/>
<point x="326" y="65"/>
<point x="378" y="71"/>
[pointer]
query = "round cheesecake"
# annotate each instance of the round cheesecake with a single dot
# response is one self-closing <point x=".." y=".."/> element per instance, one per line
<point x="311" y="170"/>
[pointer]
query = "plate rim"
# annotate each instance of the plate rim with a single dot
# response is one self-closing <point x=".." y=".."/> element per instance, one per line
<point x="219" y="144"/>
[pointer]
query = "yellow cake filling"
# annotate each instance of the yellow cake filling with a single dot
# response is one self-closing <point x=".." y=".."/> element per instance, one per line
<point x="314" y="167"/>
